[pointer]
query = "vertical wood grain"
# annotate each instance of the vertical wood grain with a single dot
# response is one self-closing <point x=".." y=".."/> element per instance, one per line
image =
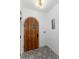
<point x="31" y="40"/>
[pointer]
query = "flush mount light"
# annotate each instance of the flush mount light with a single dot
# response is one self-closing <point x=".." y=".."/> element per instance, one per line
<point x="39" y="3"/>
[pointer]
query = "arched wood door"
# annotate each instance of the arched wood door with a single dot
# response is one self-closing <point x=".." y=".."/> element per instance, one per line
<point x="31" y="34"/>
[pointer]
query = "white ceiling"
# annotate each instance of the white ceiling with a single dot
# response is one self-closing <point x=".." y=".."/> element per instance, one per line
<point x="31" y="5"/>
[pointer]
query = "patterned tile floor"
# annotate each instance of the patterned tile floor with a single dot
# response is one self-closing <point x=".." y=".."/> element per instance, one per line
<point x="41" y="53"/>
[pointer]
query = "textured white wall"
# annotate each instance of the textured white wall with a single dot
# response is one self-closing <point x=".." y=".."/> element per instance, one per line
<point x="41" y="17"/>
<point x="53" y="35"/>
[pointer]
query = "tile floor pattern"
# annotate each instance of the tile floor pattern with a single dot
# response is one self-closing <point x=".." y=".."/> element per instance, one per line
<point x="41" y="53"/>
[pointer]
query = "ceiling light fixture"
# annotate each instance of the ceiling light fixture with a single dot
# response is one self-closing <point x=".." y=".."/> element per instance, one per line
<point x="40" y="3"/>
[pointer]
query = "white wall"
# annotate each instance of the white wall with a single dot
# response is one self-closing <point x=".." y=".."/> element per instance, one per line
<point x="41" y="17"/>
<point x="53" y="35"/>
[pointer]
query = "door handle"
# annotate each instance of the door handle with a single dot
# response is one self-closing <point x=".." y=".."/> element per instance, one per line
<point x="37" y="35"/>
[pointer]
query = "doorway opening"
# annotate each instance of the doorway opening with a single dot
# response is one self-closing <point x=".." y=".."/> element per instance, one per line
<point x="31" y="34"/>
